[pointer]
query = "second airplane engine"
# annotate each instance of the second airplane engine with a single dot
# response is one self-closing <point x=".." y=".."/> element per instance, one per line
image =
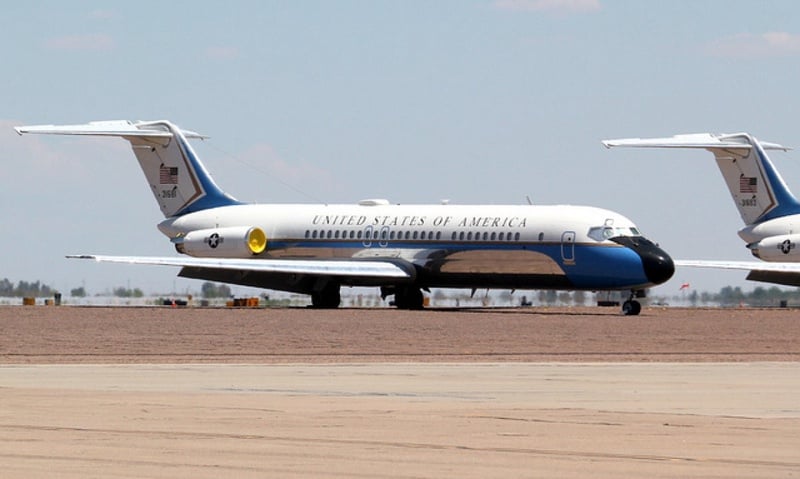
<point x="233" y="242"/>
<point x="777" y="248"/>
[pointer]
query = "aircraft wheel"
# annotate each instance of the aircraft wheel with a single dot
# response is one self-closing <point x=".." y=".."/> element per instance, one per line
<point x="328" y="298"/>
<point x="631" y="308"/>
<point x="408" y="298"/>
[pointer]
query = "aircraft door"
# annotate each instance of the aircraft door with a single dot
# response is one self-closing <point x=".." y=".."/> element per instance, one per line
<point x="568" y="247"/>
<point x="367" y="241"/>
<point x="384" y="238"/>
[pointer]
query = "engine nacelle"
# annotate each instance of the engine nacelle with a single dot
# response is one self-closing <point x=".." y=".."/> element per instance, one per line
<point x="777" y="248"/>
<point x="234" y="242"/>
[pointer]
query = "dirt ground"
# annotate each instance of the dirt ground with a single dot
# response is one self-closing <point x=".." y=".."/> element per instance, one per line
<point x="69" y="334"/>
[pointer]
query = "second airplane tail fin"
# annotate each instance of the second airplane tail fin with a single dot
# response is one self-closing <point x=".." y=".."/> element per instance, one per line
<point x="177" y="178"/>
<point x="756" y="186"/>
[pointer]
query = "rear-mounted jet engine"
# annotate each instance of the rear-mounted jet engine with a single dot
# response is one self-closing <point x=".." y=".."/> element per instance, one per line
<point x="235" y="242"/>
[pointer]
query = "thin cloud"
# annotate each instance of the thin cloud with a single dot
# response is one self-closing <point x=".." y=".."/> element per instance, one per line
<point x="39" y="159"/>
<point x="25" y="160"/>
<point x="309" y="181"/>
<point x="553" y="6"/>
<point x="102" y="14"/>
<point x="748" y="45"/>
<point x="90" y="42"/>
<point x="221" y="53"/>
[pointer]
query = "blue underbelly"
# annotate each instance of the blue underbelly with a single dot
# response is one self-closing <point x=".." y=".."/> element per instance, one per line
<point x="523" y="266"/>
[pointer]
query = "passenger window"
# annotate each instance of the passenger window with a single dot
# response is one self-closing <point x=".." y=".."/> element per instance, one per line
<point x="541" y="236"/>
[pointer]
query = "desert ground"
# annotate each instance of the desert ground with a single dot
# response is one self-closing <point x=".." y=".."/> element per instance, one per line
<point x="535" y="392"/>
<point x="201" y="335"/>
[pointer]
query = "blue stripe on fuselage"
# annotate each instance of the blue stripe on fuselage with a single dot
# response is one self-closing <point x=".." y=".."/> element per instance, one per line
<point x="595" y="266"/>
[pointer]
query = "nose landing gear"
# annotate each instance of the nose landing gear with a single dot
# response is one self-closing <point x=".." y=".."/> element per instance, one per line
<point x="631" y="307"/>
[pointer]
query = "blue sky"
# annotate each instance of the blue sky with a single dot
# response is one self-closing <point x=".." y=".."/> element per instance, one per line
<point x="473" y="101"/>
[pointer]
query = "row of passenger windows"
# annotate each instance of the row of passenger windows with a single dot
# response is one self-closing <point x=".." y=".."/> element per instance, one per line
<point x="385" y="235"/>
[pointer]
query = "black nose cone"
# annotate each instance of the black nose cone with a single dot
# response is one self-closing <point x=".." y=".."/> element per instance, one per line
<point x="658" y="266"/>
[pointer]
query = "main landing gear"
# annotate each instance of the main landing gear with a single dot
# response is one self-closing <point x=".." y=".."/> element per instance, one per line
<point x="405" y="297"/>
<point x="328" y="297"/>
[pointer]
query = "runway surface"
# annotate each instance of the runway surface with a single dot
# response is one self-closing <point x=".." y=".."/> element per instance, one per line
<point x="66" y="417"/>
<point x="401" y="420"/>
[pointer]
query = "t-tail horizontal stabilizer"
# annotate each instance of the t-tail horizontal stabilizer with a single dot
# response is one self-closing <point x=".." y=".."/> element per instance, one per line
<point x="177" y="178"/>
<point x="756" y="186"/>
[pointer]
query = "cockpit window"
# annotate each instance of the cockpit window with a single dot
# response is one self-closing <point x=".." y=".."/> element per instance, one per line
<point x="602" y="233"/>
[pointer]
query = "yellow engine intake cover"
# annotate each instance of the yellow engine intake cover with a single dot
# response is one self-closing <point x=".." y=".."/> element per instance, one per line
<point x="256" y="240"/>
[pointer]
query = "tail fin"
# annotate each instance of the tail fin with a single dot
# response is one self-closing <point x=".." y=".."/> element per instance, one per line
<point x="756" y="186"/>
<point x="179" y="182"/>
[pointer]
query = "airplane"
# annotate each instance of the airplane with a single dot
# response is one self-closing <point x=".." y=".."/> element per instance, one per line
<point x="402" y="249"/>
<point x="769" y="210"/>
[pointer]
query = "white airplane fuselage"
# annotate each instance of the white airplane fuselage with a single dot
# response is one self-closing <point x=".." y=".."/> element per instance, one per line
<point x="514" y="246"/>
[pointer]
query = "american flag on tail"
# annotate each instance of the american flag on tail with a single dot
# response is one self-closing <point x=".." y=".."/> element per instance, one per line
<point x="168" y="175"/>
<point x="748" y="184"/>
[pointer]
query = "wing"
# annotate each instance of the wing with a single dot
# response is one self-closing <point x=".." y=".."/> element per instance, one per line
<point x="744" y="265"/>
<point x="778" y="273"/>
<point x="362" y="268"/>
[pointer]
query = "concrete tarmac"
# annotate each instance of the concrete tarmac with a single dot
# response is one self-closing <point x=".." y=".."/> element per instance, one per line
<point x="401" y="420"/>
